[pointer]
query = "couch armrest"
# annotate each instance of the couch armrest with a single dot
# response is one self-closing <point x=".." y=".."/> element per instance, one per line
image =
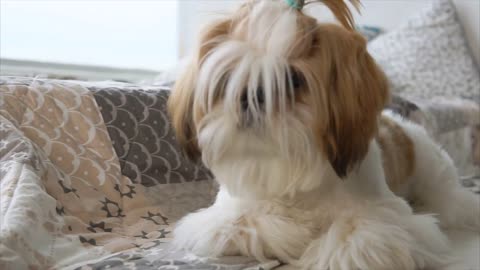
<point x="443" y="115"/>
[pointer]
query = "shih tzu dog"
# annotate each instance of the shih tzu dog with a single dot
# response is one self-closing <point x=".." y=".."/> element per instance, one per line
<point x="287" y="114"/>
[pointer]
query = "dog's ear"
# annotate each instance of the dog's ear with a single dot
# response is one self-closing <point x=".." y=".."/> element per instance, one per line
<point x="180" y="108"/>
<point x="355" y="92"/>
<point x="181" y="104"/>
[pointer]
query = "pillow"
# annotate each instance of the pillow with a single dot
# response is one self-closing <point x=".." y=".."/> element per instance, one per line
<point x="428" y="56"/>
<point x="142" y="136"/>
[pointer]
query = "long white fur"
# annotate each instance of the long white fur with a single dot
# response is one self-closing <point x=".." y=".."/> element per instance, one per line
<point x="279" y="197"/>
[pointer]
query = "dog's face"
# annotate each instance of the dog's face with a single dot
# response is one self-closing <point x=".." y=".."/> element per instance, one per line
<point x="271" y="96"/>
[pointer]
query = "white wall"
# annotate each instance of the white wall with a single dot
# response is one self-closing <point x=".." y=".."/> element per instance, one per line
<point x="384" y="13"/>
<point x="195" y="13"/>
<point x="121" y="34"/>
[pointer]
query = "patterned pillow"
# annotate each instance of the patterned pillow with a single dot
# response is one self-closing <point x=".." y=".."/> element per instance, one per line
<point x="142" y="136"/>
<point x="428" y="56"/>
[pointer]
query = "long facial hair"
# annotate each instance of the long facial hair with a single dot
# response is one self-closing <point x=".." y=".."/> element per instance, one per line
<point x="272" y="100"/>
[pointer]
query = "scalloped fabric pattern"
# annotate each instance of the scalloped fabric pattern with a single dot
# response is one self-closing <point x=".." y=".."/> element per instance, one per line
<point x="142" y="136"/>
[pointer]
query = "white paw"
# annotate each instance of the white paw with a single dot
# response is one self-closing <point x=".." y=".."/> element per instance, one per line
<point x="203" y="234"/>
<point x="215" y="232"/>
<point x="366" y="244"/>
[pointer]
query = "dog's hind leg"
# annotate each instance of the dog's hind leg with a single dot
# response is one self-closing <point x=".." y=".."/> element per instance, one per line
<point x="440" y="192"/>
<point x="435" y="185"/>
<point x="383" y="235"/>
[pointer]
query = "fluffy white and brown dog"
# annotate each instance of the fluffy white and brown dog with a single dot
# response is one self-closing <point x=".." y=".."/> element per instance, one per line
<point x="287" y="114"/>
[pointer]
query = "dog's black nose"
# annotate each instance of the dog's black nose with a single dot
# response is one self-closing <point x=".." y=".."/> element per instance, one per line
<point x="260" y="98"/>
<point x="244" y="101"/>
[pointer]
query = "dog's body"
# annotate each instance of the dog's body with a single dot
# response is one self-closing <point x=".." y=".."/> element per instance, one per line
<point x="310" y="171"/>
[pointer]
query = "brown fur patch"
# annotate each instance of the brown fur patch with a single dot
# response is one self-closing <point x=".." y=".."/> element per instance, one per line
<point x="181" y="107"/>
<point x="341" y="11"/>
<point x="346" y="91"/>
<point x="397" y="152"/>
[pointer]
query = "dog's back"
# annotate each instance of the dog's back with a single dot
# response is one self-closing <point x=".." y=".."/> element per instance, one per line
<point x="417" y="169"/>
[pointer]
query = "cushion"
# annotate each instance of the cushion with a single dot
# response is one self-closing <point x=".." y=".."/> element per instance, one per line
<point x="428" y="55"/>
<point x="143" y="139"/>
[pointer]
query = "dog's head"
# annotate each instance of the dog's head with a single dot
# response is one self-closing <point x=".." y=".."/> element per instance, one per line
<point x="270" y="85"/>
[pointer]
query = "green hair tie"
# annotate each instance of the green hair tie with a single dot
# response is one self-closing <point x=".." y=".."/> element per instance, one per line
<point x="296" y="4"/>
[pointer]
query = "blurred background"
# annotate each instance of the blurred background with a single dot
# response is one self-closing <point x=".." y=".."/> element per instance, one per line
<point x="137" y="41"/>
<point x="123" y="40"/>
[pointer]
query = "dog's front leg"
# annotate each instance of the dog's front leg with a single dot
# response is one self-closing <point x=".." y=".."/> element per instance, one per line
<point x="233" y="226"/>
<point x="205" y="233"/>
<point x="209" y="232"/>
<point x="378" y="236"/>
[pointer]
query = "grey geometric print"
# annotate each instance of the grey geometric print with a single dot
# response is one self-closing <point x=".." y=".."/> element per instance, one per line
<point x="142" y="136"/>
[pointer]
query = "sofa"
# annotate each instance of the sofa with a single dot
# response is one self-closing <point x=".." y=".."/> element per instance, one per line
<point x="91" y="176"/>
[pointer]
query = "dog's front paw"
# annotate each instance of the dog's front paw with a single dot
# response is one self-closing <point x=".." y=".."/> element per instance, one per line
<point x="360" y="244"/>
<point x="202" y="233"/>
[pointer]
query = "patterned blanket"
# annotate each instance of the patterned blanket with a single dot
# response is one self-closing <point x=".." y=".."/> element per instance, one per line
<point x="91" y="178"/>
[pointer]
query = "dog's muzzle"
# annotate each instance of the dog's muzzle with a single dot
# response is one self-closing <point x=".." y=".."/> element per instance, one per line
<point x="247" y="104"/>
<point x="259" y="99"/>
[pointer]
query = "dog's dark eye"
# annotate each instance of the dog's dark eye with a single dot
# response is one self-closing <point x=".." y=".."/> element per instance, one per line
<point x="296" y="79"/>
